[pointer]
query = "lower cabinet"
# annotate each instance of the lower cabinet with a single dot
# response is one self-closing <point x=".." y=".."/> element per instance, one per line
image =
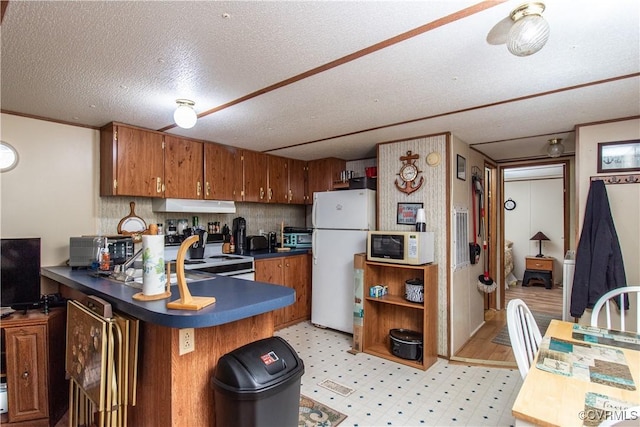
<point x="293" y="271"/>
<point x="33" y="356"/>
<point x="394" y="311"/>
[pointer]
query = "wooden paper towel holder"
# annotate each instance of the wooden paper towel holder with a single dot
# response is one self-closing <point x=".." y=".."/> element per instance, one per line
<point x="186" y="301"/>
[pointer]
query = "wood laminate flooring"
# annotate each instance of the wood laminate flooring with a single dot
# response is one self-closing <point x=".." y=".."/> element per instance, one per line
<point x="479" y="349"/>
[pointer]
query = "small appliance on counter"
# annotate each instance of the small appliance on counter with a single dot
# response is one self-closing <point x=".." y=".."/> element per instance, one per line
<point x="257" y="243"/>
<point x="85" y="250"/>
<point x="240" y="235"/>
<point x="297" y="238"/>
<point x="406" y="344"/>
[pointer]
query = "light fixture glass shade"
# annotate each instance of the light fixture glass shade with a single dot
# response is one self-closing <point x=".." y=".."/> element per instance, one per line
<point x="185" y="116"/>
<point x="555" y="148"/>
<point x="528" y="34"/>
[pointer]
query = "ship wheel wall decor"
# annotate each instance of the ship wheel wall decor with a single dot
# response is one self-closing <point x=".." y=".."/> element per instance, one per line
<point x="409" y="174"/>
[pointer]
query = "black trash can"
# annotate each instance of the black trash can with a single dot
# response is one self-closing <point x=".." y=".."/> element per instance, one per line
<point x="258" y="384"/>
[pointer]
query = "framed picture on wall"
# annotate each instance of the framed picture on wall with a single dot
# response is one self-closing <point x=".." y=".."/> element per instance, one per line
<point x="461" y="168"/>
<point x="407" y="213"/>
<point x="619" y="156"/>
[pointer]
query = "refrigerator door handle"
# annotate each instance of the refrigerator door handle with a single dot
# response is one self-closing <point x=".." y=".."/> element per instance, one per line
<point x="314" y="238"/>
<point x="314" y="210"/>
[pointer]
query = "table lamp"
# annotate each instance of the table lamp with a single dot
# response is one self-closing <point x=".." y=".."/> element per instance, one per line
<point x="539" y="236"/>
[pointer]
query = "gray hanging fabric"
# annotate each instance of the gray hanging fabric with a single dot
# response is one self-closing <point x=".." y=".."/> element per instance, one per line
<point x="599" y="263"/>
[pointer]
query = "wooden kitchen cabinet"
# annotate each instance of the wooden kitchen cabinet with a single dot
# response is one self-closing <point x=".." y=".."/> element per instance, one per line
<point x="293" y="271"/>
<point x="381" y="314"/>
<point x="131" y="161"/>
<point x="222" y="172"/>
<point x="321" y="174"/>
<point x="33" y="355"/>
<point x="277" y="179"/>
<point x="183" y="168"/>
<point x="254" y="169"/>
<point x="297" y="181"/>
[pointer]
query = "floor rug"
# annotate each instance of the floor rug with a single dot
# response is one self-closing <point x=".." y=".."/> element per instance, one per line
<point x="314" y="414"/>
<point x="542" y="320"/>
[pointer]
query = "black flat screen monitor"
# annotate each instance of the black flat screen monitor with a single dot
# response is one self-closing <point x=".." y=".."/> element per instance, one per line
<point x="20" y="273"/>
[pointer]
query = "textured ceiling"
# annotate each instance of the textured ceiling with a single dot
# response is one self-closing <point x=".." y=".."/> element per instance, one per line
<point x="325" y="78"/>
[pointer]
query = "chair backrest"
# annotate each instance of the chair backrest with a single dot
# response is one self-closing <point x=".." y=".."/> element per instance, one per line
<point x="608" y="299"/>
<point x="524" y="334"/>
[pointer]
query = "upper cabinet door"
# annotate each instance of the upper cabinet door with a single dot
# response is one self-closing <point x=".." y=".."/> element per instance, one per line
<point x="222" y="173"/>
<point x="297" y="181"/>
<point x="183" y="167"/>
<point x="131" y="162"/>
<point x="254" y="168"/>
<point x="278" y="180"/>
<point x="321" y="175"/>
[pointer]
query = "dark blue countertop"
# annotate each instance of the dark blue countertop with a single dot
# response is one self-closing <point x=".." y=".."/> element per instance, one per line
<point x="236" y="299"/>
<point x="267" y="254"/>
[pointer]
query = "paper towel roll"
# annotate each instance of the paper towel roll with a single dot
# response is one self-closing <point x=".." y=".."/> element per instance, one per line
<point x="154" y="277"/>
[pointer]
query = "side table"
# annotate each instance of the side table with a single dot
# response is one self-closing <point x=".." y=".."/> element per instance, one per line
<point x="539" y="269"/>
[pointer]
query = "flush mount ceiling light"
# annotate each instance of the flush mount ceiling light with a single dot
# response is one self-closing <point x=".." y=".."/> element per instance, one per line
<point x="555" y="148"/>
<point x="529" y="31"/>
<point x="185" y="116"/>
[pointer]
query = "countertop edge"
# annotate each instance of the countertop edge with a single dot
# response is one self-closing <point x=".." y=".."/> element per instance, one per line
<point x="149" y="312"/>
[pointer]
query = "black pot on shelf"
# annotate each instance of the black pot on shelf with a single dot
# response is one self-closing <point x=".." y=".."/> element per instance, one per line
<point x="406" y="344"/>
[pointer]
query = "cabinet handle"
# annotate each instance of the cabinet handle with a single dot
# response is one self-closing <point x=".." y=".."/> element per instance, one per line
<point x="25" y="375"/>
<point x="198" y="188"/>
<point x="290" y="195"/>
<point x="261" y="193"/>
<point x="270" y="193"/>
<point x="158" y="185"/>
<point x="208" y="188"/>
<point x="287" y="265"/>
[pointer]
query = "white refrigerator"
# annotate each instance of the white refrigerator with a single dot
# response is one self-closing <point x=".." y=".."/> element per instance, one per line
<point x="341" y="220"/>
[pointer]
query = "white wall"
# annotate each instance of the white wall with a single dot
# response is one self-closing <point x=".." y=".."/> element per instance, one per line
<point x="467" y="302"/>
<point x="539" y="207"/>
<point x="52" y="193"/>
<point x="624" y="199"/>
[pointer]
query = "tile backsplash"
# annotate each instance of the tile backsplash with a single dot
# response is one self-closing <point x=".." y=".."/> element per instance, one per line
<point x="259" y="216"/>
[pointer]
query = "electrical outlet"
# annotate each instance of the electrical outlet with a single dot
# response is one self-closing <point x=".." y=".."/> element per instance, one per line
<point x="187" y="341"/>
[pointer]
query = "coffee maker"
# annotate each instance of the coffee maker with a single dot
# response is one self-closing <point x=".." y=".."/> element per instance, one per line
<point x="240" y="235"/>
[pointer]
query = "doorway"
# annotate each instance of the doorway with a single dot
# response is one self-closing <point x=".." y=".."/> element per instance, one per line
<point x="483" y="347"/>
<point x="535" y="234"/>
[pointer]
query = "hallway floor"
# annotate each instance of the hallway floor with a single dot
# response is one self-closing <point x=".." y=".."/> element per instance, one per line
<point x="390" y="394"/>
<point x="480" y="349"/>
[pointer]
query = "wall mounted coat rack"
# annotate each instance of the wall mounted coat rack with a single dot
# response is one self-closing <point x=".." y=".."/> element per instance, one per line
<point x="618" y="179"/>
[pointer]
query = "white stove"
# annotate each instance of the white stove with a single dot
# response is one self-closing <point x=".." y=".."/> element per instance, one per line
<point x="214" y="261"/>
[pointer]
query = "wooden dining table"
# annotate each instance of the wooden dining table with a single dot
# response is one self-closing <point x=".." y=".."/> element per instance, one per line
<point x="550" y="398"/>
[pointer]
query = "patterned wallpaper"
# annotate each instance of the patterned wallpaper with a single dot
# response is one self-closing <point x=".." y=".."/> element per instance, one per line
<point x="433" y="195"/>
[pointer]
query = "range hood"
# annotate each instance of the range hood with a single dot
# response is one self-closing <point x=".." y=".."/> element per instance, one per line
<point x="193" y="206"/>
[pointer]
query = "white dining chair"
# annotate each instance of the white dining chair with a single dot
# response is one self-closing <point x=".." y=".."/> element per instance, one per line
<point x="524" y="334"/>
<point x="608" y="299"/>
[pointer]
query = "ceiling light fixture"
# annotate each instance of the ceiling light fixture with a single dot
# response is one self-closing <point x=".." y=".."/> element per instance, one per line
<point x="555" y="148"/>
<point x="529" y="31"/>
<point x="185" y="116"/>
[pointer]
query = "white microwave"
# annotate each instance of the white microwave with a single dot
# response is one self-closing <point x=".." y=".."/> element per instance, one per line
<point x="401" y="247"/>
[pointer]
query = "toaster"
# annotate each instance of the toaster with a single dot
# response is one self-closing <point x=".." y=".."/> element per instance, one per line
<point x="257" y="243"/>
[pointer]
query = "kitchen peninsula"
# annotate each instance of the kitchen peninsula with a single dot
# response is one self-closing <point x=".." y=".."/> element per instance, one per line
<point x="175" y="389"/>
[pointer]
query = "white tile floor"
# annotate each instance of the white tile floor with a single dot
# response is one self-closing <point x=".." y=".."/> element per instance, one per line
<point x="391" y="394"/>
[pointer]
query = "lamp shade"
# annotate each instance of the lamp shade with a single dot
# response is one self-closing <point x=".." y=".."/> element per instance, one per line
<point x="539" y="236"/>
<point x="529" y="32"/>
<point x="185" y="116"/>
